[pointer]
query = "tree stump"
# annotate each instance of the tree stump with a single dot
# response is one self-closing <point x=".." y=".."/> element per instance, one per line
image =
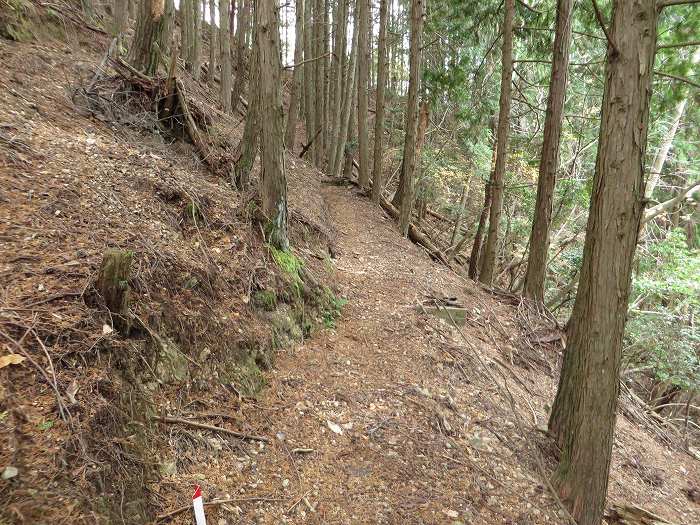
<point x="113" y="285"/>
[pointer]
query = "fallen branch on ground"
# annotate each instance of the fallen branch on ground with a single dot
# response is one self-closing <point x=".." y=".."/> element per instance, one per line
<point x="204" y="426"/>
<point x="633" y="515"/>
<point x="417" y="236"/>
<point x="414" y="233"/>
<point x="190" y="124"/>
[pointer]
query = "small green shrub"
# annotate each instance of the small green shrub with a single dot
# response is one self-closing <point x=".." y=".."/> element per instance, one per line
<point x="671" y="351"/>
<point x="265" y="300"/>
<point x="194" y="213"/>
<point x="332" y="307"/>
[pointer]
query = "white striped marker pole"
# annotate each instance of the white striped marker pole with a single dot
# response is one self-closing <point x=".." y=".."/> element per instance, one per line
<point x="198" y="505"/>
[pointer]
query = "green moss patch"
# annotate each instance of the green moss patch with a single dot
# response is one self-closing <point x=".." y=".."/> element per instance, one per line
<point x="265" y="300"/>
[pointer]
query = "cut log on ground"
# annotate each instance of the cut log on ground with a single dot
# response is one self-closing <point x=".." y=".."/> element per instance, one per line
<point x="633" y="515"/>
<point x="417" y="236"/>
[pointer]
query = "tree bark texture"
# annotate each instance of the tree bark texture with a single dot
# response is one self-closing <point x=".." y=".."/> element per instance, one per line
<point x="121" y="20"/>
<point x="362" y="92"/>
<point x="346" y="111"/>
<point x="409" y="149"/>
<point x="309" y="76"/>
<point x="549" y="159"/>
<point x="248" y="147"/>
<point x="317" y="147"/>
<point x="377" y="169"/>
<point x="502" y="132"/>
<point x="296" y="83"/>
<point x="213" y="44"/>
<point x="583" y="415"/>
<point x="225" y="39"/>
<point x="239" y="66"/>
<point x="272" y="174"/>
<point x="144" y="52"/>
<point x="340" y="75"/>
<point x="197" y="39"/>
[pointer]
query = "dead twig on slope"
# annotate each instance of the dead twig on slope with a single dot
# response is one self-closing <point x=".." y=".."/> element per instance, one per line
<point x="204" y="426"/>
<point x="62" y="408"/>
<point x="511" y="401"/>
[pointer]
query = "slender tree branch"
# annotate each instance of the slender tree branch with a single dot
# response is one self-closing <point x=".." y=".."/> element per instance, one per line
<point x="669" y="3"/>
<point x="599" y="16"/>
<point x="528" y="7"/>
<point x="488" y="51"/>
<point x="681" y="44"/>
<point x="657" y="210"/>
<point x="292" y="66"/>
<point x="551" y="30"/>
<point x="537" y="61"/>
<point x="679" y="79"/>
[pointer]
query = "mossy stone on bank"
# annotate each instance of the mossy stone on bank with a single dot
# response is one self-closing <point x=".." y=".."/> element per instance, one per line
<point x="171" y="364"/>
<point x="244" y="374"/>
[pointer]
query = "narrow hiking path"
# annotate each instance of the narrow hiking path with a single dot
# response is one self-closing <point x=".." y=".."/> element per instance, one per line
<point x="395" y="417"/>
<point x="427" y="435"/>
<point x="418" y="439"/>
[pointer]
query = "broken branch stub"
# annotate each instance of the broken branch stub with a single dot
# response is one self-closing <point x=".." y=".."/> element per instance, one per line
<point x="113" y="285"/>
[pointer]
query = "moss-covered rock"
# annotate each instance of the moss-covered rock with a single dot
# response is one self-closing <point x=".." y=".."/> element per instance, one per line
<point x="171" y="364"/>
<point x="244" y="374"/>
<point x="113" y="285"/>
<point x="286" y="329"/>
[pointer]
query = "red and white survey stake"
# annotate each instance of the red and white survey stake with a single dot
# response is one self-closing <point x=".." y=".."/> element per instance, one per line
<point x="198" y="505"/>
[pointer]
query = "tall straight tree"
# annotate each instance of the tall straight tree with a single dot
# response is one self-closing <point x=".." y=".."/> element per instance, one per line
<point x="319" y="81"/>
<point x="362" y="91"/>
<point x="475" y="255"/>
<point x="583" y="414"/>
<point x="121" y="21"/>
<point x="272" y="173"/>
<point x="309" y="71"/>
<point x="549" y="159"/>
<point x="667" y="141"/>
<point x="144" y="53"/>
<point x="248" y="146"/>
<point x="239" y="65"/>
<point x="346" y="110"/>
<point x="409" y="146"/>
<point x="325" y="55"/>
<point x="197" y="38"/>
<point x="339" y="24"/>
<point x="185" y="30"/>
<point x="296" y="83"/>
<point x="213" y="43"/>
<point x="339" y="72"/>
<point x="502" y="132"/>
<point x="225" y="39"/>
<point x="377" y="173"/>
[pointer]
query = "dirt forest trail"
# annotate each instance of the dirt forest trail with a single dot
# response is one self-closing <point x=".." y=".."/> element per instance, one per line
<point x="392" y="430"/>
<point x="390" y="416"/>
<point x="395" y="417"/>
